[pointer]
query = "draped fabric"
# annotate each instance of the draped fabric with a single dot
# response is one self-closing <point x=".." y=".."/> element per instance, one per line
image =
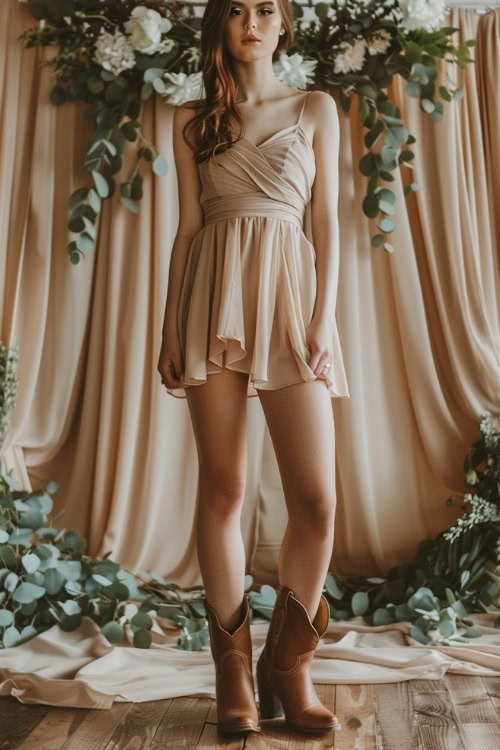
<point x="419" y="330"/>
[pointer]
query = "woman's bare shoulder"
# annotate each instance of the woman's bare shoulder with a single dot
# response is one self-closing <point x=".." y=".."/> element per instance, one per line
<point x="193" y="103"/>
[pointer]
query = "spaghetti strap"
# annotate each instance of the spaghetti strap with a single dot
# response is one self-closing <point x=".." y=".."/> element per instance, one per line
<point x="303" y="107"/>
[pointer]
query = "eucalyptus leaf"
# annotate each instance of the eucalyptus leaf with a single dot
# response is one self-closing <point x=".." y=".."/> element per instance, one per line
<point x="32" y="519"/>
<point x="31" y="563"/>
<point x="94" y="200"/>
<point x="381" y="616"/>
<point x="142" y="620"/>
<point x="53" y="581"/>
<point x="160" y="166"/>
<point x="418" y="635"/>
<point x="78" y="196"/>
<point x="70" y="569"/>
<point x="6" y="618"/>
<point x="85" y="243"/>
<point x="129" y="204"/>
<point x="142" y="638"/>
<point x="11" y="581"/>
<point x="360" y="603"/>
<point x="113" y="631"/>
<point x="101" y="184"/>
<point x="386" y="225"/>
<point x="70" y="607"/>
<point x="11" y="637"/>
<point x="70" y="622"/>
<point x="27" y="592"/>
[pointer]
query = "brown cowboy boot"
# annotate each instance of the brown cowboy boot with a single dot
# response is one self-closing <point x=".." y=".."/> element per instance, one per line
<point x="283" y="669"/>
<point x="234" y="689"/>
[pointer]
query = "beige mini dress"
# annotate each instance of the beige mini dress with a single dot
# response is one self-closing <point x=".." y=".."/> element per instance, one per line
<point x="249" y="287"/>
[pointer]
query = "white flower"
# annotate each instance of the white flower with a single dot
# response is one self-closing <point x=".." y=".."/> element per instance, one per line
<point x="114" y="52"/>
<point x="145" y="27"/>
<point x="183" y="87"/>
<point x="379" y="41"/>
<point x="471" y="477"/>
<point x="166" y="45"/>
<point x="422" y="14"/>
<point x="294" y="70"/>
<point x="351" y="58"/>
<point x="194" y="55"/>
<point x="490" y="428"/>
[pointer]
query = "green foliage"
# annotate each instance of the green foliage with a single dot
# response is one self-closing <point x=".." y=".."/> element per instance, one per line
<point x="452" y="575"/>
<point x="46" y="578"/>
<point x="412" y="55"/>
<point x="114" y="101"/>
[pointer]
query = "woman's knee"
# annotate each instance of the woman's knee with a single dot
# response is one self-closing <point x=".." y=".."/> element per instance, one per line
<point x="313" y="510"/>
<point x="222" y="490"/>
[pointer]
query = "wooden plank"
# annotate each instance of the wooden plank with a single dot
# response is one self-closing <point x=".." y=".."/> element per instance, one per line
<point x="479" y="723"/>
<point x="492" y="686"/>
<point x="471" y="701"/>
<point x="182" y="724"/>
<point x="211" y="739"/>
<point x="354" y="708"/>
<point x="481" y="736"/>
<point x="54" y="729"/>
<point x="97" y="727"/>
<point x="276" y="735"/>
<point x="393" y="702"/>
<point x="17" y="720"/>
<point x="139" y="726"/>
<point x="434" y="716"/>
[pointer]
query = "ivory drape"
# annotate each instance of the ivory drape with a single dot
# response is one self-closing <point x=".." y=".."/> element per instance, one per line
<point x="419" y="329"/>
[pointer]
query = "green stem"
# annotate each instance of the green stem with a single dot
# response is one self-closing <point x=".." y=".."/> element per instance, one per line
<point x="96" y="16"/>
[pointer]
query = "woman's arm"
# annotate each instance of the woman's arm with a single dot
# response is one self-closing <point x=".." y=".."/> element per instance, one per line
<point x="324" y="206"/>
<point x="190" y="217"/>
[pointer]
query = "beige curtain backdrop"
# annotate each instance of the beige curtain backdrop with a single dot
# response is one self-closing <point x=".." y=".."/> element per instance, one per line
<point x="419" y="330"/>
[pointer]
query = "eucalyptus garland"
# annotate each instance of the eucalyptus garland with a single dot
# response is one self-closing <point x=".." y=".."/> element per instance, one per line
<point x="115" y="55"/>
<point x="46" y="577"/>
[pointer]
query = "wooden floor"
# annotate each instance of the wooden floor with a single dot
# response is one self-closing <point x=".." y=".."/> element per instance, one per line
<point x="450" y="714"/>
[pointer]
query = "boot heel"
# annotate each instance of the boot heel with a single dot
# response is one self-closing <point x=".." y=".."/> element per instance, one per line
<point x="269" y="703"/>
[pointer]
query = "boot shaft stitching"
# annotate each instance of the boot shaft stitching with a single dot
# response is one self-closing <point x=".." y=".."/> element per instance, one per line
<point x="297" y="665"/>
<point x="221" y="661"/>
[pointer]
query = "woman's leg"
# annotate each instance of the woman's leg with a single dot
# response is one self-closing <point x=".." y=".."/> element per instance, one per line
<point x="218" y="410"/>
<point x="301" y="425"/>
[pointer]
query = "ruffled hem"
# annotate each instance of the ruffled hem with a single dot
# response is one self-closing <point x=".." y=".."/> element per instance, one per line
<point x="247" y="297"/>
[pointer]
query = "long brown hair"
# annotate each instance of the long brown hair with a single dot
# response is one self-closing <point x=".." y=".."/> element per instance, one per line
<point x="211" y="125"/>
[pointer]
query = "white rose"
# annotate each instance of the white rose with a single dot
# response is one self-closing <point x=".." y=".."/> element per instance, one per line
<point x="145" y="28"/>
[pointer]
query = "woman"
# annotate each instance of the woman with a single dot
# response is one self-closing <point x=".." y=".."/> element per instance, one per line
<point x="251" y="311"/>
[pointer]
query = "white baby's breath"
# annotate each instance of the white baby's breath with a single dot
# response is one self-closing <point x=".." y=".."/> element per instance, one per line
<point x="114" y="52"/>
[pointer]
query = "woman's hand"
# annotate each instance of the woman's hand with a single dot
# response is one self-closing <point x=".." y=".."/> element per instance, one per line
<point x="319" y="336"/>
<point x="170" y="361"/>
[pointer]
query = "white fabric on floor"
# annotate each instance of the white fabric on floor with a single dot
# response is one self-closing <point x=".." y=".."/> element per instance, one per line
<point x="83" y="669"/>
